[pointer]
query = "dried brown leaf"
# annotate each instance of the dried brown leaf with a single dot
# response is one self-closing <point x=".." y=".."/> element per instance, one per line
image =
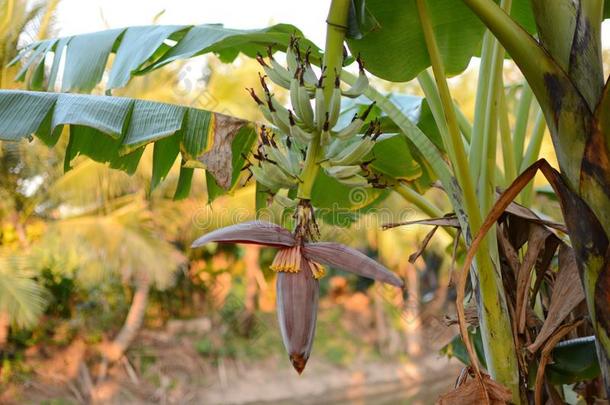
<point x="449" y="220"/>
<point x="473" y="392"/>
<point x="413" y="257"/>
<point x="570" y="205"/>
<point x="567" y="294"/>
<point x="543" y="263"/>
<point x="546" y="355"/>
<point x="529" y="215"/>
<point x="218" y="160"/>
<point x="508" y="251"/>
<point x="536" y="241"/>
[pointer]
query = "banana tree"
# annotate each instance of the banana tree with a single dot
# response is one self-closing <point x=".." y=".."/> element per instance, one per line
<point x="309" y="157"/>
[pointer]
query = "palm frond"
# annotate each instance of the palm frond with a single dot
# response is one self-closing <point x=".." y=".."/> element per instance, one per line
<point x="21" y="297"/>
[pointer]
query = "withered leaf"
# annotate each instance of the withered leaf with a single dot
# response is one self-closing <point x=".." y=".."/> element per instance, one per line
<point x="567" y="294"/>
<point x="536" y="241"/>
<point x="424" y="244"/>
<point x="472" y="392"/>
<point x="218" y="160"/>
<point x="449" y="220"/>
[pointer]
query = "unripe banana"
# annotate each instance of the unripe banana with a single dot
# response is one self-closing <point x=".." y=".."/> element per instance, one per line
<point x="350" y="129"/>
<point x="298" y="133"/>
<point x="264" y="178"/>
<point x="355" y="126"/>
<point x="293" y="56"/>
<point x="284" y="201"/>
<point x="320" y="108"/>
<point x="305" y="106"/>
<point x="353" y="154"/>
<point x="279" y="122"/>
<point x="342" y="172"/>
<point x="294" y="95"/>
<point x="261" y="105"/>
<point x="308" y="74"/>
<point x="361" y="83"/>
<point x="281" y="154"/>
<point x="355" y="181"/>
<point x="334" y="106"/>
<point x="280" y="76"/>
<point x="279" y="115"/>
<point x="336" y="146"/>
<point x="275" y="171"/>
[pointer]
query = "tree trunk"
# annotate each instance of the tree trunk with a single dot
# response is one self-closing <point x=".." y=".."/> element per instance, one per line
<point x="411" y="313"/>
<point x="252" y="268"/>
<point x="133" y="322"/>
<point x="251" y="258"/>
<point x="4" y="325"/>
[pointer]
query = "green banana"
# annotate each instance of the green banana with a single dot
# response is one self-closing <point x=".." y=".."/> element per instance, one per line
<point x="279" y="114"/>
<point x="297" y="132"/>
<point x="294" y="95"/>
<point x="334" y="105"/>
<point x="342" y="172"/>
<point x="262" y="177"/>
<point x="261" y="105"/>
<point x="279" y="75"/>
<point x="353" y="154"/>
<point x="277" y="173"/>
<point x="361" y="83"/>
<point x="350" y="130"/>
<point x="336" y="146"/>
<point x="293" y="55"/>
<point x="299" y="98"/>
<point x="305" y="105"/>
<point x="308" y="74"/>
<point x="320" y="116"/>
<point x="284" y="157"/>
<point x="355" y="181"/>
<point x="285" y="201"/>
<point x="355" y="126"/>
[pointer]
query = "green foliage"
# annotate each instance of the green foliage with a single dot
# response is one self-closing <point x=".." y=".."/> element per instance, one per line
<point x="116" y="130"/>
<point x="141" y="49"/>
<point x="395" y="53"/>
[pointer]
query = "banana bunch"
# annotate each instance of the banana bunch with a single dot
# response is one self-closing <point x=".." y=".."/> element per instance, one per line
<point x="278" y="164"/>
<point x="311" y="116"/>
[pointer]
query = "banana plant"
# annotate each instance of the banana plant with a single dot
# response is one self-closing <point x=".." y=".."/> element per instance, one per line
<point x="306" y="153"/>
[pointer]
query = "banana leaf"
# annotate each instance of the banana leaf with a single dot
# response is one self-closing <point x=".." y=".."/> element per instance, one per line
<point x="115" y="130"/>
<point x="138" y="50"/>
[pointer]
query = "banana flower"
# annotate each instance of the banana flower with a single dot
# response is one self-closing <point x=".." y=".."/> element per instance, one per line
<point x="299" y="266"/>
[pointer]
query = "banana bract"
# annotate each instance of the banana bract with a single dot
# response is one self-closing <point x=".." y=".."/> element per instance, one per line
<point x="299" y="266"/>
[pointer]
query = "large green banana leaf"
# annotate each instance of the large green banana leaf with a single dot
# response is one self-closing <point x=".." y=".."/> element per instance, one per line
<point x="396" y="49"/>
<point x="141" y="49"/>
<point x="116" y="130"/>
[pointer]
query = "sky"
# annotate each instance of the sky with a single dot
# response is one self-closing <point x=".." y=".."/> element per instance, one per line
<point x="81" y="16"/>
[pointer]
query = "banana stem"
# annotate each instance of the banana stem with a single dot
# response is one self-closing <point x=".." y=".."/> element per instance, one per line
<point x="336" y="27"/>
<point x="508" y="154"/>
<point x="495" y="325"/>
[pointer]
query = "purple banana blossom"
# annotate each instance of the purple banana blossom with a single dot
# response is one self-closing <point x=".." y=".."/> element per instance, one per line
<point x="299" y="266"/>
